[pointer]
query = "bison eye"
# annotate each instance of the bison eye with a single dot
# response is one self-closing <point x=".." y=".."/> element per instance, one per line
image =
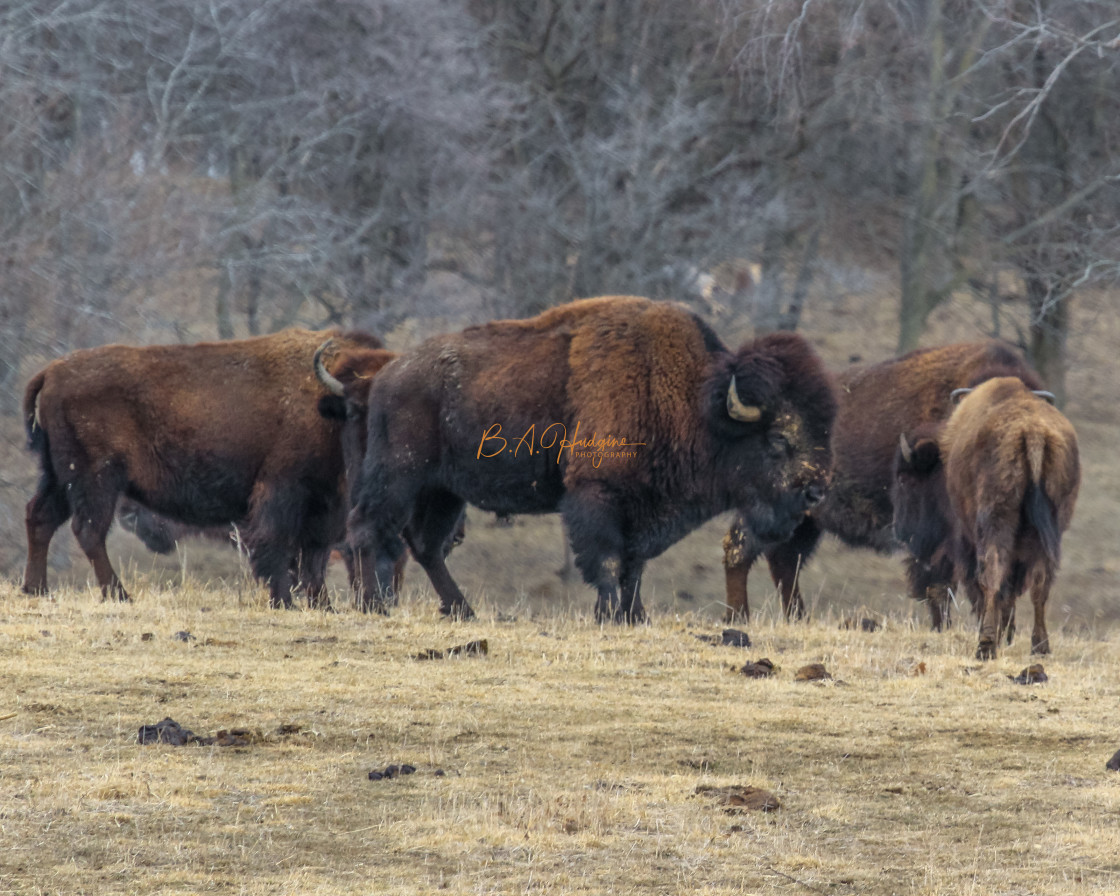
<point x="778" y="445"/>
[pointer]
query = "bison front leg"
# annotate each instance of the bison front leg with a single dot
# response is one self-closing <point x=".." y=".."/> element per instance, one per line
<point x="930" y="584"/>
<point x="739" y="553"/>
<point x="595" y="533"/>
<point x="786" y="560"/>
<point x="629" y="585"/>
<point x="91" y="526"/>
<point x="430" y="532"/>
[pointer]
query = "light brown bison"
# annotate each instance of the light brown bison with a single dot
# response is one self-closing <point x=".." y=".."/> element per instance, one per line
<point x="206" y="435"/>
<point x="629" y="417"/>
<point x="877" y="404"/>
<point x="993" y="492"/>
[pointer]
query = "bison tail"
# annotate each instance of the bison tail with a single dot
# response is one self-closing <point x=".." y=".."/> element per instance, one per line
<point x="36" y="435"/>
<point x="1040" y="515"/>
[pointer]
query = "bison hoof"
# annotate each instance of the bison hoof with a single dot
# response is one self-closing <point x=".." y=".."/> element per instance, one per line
<point x="1042" y="647"/>
<point x="986" y="651"/>
<point x="458" y="613"/>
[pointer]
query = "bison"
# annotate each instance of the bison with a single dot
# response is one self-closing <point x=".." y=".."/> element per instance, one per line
<point x="628" y="416"/>
<point x="877" y="404"/>
<point x="346" y="402"/>
<point x="990" y="493"/>
<point x="206" y="435"/>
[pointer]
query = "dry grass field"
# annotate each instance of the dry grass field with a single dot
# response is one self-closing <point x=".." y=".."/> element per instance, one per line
<point x="569" y="759"/>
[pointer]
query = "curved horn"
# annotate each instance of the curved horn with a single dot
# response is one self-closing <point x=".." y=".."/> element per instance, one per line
<point x="324" y="376"/>
<point x="745" y="413"/>
<point x="957" y="394"/>
<point x="904" y="447"/>
<point x="1044" y="395"/>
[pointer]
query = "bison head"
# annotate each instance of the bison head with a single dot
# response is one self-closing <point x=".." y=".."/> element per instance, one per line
<point x="771" y="413"/>
<point x="922" y="514"/>
<point x="347" y="400"/>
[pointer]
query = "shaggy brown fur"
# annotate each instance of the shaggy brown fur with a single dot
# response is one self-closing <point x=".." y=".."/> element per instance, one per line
<point x="1012" y="473"/>
<point x="613" y="411"/>
<point x="877" y="404"/>
<point x="207" y="435"/>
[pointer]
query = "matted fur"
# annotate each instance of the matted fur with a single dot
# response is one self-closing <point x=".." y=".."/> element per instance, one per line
<point x="495" y="415"/>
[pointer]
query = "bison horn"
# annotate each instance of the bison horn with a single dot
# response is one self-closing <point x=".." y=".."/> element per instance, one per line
<point x="904" y="447"/>
<point x="745" y="413"/>
<point x="957" y="394"/>
<point x="324" y="376"/>
<point x="1044" y="395"/>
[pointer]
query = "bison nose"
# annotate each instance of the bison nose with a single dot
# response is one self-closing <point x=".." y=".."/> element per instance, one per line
<point x="814" y="494"/>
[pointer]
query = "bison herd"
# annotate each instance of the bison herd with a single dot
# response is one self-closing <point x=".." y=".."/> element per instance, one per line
<point x="628" y="417"/>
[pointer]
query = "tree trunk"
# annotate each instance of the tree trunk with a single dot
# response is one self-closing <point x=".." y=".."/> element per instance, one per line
<point x="1049" y="334"/>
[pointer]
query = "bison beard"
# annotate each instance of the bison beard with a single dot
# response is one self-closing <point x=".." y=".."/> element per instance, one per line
<point x="877" y="403"/>
<point x="206" y="435"/>
<point x="991" y="492"/>
<point x="495" y="415"/>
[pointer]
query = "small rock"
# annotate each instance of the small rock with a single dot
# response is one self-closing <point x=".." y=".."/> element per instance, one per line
<point x="812" y="672"/>
<point x="147" y="636"/>
<point x="392" y="771"/>
<point x="165" y="731"/>
<point x="763" y="668"/>
<point x="743" y="798"/>
<point x="182" y="636"/>
<point x="864" y="624"/>
<point x="732" y="637"/>
<point x="1113" y="764"/>
<point x="471" y="648"/>
<point x="1033" y="674"/>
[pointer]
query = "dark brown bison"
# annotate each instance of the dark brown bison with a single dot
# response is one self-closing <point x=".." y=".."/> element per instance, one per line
<point x="877" y="404"/>
<point x="991" y="494"/>
<point x="206" y="435"/>
<point x="627" y="416"/>
<point x="346" y="401"/>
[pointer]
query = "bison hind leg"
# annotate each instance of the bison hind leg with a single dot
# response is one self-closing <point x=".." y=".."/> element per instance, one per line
<point x="1040" y="593"/>
<point x="46" y="511"/>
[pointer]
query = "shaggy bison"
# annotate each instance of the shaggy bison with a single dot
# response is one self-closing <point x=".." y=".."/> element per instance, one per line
<point x="627" y="416"/>
<point x="206" y="435"/>
<point x="990" y="493"/>
<point x="877" y="404"/>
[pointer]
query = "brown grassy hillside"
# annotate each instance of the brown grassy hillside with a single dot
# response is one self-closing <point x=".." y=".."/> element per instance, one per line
<point x="568" y="759"/>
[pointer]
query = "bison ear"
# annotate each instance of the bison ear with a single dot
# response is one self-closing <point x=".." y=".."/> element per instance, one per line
<point x="927" y="455"/>
<point x="737" y="409"/>
<point x="332" y="407"/>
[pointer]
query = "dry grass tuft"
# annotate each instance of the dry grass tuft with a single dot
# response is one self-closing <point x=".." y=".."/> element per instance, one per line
<point x="568" y="758"/>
